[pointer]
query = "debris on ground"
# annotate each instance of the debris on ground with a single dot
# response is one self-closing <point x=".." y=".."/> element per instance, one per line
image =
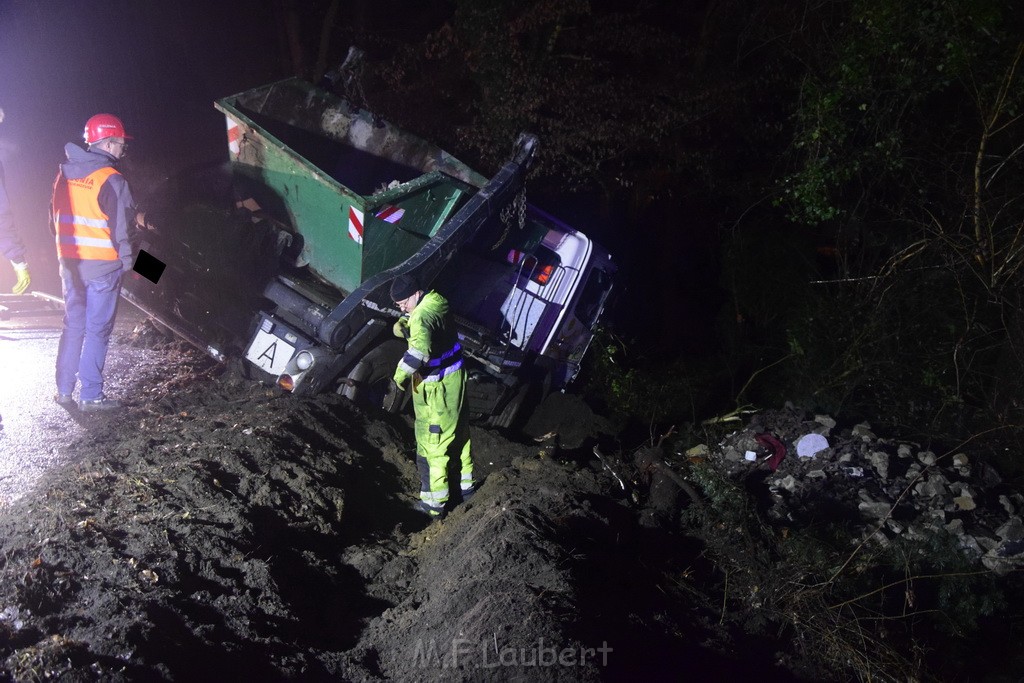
<point x="887" y="488"/>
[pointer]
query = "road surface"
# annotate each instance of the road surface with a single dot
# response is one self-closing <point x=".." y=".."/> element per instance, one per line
<point x="37" y="434"/>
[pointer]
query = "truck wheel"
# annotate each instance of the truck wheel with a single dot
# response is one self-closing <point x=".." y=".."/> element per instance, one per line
<point x="532" y="394"/>
<point x="507" y="416"/>
<point x="369" y="382"/>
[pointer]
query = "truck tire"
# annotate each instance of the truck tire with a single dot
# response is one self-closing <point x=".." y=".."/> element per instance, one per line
<point x="369" y="382"/>
<point x="532" y="394"/>
<point x="507" y="416"/>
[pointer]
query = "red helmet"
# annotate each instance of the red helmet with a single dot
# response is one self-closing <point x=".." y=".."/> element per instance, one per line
<point x="104" y="126"/>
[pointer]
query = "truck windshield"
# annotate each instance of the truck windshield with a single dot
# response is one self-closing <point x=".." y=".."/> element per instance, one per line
<point x="595" y="291"/>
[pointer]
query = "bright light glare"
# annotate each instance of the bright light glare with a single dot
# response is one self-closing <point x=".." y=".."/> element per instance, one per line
<point x="36" y="430"/>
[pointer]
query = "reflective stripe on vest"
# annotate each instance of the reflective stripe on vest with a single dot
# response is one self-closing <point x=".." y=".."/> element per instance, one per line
<point x="83" y="230"/>
<point x="432" y="369"/>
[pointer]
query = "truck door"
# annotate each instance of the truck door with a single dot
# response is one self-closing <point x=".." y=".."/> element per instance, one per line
<point x="535" y="276"/>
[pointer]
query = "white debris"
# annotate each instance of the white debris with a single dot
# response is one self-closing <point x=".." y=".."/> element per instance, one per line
<point x="808" y="445"/>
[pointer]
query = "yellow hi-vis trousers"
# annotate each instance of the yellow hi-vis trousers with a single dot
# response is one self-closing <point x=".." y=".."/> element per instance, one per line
<point x="442" y="436"/>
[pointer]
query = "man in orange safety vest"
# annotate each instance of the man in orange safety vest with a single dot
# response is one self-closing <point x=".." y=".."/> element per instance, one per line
<point x="91" y="210"/>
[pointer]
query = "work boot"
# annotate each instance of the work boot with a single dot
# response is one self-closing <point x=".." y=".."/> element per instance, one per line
<point x="63" y="399"/>
<point x="98" y="404"/>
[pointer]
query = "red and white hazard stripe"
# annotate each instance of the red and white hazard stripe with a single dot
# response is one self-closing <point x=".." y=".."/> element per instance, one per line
<point x="391" y="214"/>
<point x="355" y="224"/>
<point x="234" y="135"/>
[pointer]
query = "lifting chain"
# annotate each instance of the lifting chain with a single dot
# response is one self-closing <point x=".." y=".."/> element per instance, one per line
<point x="514" y="210"/>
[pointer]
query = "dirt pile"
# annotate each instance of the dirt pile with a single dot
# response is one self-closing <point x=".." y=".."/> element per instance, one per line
<point x="218" y="529"/>
<point x="191" y="525"/>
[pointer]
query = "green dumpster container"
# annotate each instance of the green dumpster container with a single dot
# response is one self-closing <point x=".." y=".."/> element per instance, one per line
<point x="361" y="194"/>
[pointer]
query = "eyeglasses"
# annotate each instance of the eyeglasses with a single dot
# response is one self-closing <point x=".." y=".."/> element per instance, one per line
<point x="118" y="147"/>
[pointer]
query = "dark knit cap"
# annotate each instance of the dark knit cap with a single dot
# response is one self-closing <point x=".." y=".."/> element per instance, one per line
<point x="404" y="286"/>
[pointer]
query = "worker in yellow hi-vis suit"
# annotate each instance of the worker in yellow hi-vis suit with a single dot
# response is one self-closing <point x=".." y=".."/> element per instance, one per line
<point x="434" y="363"/>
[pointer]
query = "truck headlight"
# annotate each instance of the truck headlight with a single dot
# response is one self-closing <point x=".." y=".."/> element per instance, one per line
<point x="304" y="360"/>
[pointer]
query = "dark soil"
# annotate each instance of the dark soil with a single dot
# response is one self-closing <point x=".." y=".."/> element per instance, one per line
<point x="216" y="529"/>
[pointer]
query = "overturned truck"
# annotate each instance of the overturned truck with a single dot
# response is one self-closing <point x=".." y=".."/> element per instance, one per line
<point x="282" y="258"/>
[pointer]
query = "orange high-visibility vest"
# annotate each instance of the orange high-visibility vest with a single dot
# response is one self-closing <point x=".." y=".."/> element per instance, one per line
<point x="83" y="230"/>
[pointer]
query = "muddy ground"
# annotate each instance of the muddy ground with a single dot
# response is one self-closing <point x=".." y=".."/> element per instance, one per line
<point x="215" y="529"/>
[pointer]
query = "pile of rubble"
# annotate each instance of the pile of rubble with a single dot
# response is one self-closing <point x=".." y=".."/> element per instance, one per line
<point x="805" y="471"/>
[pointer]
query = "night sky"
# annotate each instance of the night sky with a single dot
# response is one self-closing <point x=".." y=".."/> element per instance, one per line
<point x="157" y="65"/>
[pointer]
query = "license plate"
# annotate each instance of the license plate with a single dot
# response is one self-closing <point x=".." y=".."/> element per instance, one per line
<point x="269" y="353"/>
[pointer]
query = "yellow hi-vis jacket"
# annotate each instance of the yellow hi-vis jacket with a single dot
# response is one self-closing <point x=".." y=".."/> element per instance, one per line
<point x="434" y="351"/>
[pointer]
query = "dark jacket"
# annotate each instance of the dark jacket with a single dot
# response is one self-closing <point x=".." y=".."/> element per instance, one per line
<point x="10" y="244"/>
<point x="115" y="200"/>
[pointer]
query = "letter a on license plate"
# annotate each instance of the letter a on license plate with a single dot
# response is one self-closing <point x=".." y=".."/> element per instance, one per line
<point x="269" y="353"/>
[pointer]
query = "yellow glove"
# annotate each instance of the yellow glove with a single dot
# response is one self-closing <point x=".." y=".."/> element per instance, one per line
<point x="401" y="328"/>
<point x="21" y="270"/>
